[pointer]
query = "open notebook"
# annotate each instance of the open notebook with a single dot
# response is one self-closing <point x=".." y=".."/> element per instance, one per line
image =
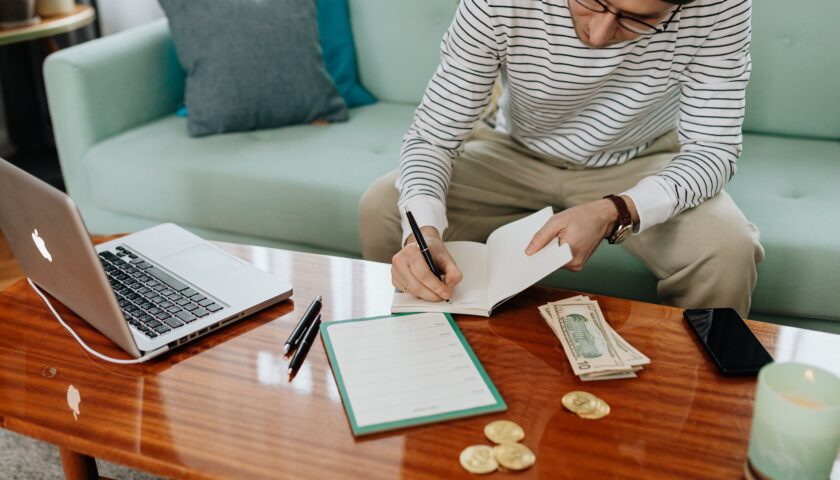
<point x="495" y="271"/>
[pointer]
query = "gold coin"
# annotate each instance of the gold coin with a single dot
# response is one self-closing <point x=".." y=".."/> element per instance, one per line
<point x="514" y="456"/>
<point x="580" y="402"/>
<point x="602" y="411"/>
<point x="478" y="459"/>
<point x="504" y="431"/>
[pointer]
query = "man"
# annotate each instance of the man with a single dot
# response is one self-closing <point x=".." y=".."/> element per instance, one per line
<point x="593" y="91"/>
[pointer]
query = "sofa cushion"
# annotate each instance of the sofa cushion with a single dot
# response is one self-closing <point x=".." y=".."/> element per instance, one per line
<point x="261" y="184"/>
<point x="297" y="184"/>
<point x="795" y="70"/>
<point x="788" y="188"/>
<point x="263" y="70"/>
<point x="340" y="51"/>
<point x="398" y="44"/>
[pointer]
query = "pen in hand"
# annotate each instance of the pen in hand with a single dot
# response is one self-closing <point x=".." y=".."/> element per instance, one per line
<point x="424" y="249"/>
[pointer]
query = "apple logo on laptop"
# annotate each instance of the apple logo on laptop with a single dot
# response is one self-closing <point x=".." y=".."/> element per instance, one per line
<point x="42" y="247"/>
<point x="74" y="398"/>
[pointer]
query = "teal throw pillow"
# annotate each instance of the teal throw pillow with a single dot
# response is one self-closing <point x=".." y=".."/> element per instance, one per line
<point x="251" y="64"/>
<point x="340" y="51"/>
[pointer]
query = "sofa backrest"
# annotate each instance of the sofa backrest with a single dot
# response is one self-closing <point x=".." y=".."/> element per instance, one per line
<point x="793" y="90"/>
<point x="795" y="83"/>
<point x="398" y="44"/>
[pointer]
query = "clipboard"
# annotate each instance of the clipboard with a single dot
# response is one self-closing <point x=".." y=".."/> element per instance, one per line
<point x="398" y="371"/>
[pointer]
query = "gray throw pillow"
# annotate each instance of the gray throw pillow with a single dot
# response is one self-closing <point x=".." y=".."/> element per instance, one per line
<point x="251" y="64"/>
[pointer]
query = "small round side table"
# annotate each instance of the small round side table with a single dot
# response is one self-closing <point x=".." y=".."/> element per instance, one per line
<point x="81" y="16"/>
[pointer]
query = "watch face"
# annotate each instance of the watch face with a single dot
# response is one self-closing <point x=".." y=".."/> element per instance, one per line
<point x="622" y="233"/>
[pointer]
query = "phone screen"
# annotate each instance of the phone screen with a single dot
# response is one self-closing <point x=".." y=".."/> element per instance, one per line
<point x="728" y="340"/>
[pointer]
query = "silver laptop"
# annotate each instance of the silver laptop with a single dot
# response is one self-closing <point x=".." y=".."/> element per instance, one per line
<point x="149" y="291"/>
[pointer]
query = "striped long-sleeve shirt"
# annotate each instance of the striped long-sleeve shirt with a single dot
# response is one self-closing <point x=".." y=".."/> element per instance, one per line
<point x="593" y="107"/>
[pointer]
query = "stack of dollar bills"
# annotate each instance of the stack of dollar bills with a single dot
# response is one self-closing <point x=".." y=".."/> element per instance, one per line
<point x="594" y="349"/>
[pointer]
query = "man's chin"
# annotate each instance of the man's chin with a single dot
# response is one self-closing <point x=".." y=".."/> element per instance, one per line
<point x="584" y="38"/>
<point x="585" y="41"/>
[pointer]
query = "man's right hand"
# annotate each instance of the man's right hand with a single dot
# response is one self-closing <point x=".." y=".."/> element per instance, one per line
<point x="410" y="273"/>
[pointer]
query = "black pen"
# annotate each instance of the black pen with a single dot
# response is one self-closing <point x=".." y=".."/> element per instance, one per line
<point x="421" y="242"/>
<point x="308" y="340"/>
<point x="309" y="315"/>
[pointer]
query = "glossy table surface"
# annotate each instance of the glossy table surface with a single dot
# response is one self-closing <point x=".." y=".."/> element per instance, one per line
<point x="223" y="406"/>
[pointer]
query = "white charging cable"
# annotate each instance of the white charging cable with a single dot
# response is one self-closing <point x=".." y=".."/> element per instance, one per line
<point x="82" y="342"/>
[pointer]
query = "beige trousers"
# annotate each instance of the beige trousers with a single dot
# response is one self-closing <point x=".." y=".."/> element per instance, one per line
<point x="704" y="257"/>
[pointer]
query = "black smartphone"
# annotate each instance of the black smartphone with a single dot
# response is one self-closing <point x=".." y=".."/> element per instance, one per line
<point x="729" y="341"/>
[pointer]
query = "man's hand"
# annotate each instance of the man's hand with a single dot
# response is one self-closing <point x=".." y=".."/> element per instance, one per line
<point x="410" y="273"/>
<point x="582" y="227"/>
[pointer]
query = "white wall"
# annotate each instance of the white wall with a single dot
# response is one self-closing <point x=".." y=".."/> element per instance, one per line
<point x="118" y="15"/>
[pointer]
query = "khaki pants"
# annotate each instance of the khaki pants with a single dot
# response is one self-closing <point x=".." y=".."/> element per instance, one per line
<point x="704" y="257"/>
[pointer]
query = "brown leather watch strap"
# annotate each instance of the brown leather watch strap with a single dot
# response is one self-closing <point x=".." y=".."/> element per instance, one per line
<point x="624" y="217"/>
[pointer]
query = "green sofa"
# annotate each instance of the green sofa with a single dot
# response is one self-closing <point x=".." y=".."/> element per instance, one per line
<point x="128" y="162"/>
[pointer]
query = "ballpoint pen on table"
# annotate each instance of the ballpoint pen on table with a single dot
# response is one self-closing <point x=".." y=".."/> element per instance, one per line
<point x="297" y="334"/>
<point x="306" y="344"/>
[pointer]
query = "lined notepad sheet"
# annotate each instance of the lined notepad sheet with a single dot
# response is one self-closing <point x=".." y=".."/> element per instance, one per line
<point x="406" y="370"/>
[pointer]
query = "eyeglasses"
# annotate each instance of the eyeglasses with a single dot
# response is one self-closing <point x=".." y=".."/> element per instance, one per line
<point x="629" y="23"/>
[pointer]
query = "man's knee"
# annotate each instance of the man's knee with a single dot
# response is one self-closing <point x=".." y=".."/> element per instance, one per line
<point x="731" y="267"/>
<point x="379" y="220"/>
<point x="705" y="258"/>
<point x="747" y="246"/>
<point x="735" y="248"/>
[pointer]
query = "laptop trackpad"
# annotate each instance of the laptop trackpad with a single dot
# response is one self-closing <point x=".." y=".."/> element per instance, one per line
<point x="210" y="269"/>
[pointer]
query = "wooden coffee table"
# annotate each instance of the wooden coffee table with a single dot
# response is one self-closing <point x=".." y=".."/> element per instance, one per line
<point x="223" y="407"/>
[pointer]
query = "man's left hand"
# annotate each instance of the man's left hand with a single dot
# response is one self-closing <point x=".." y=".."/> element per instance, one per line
<point x="582" y="227"/>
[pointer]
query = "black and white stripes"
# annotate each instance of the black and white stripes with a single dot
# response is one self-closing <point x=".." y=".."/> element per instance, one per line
<point x="594" y="107"/>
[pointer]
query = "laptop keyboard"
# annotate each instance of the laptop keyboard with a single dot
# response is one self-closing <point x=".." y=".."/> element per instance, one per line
<point x="151" y="300"/>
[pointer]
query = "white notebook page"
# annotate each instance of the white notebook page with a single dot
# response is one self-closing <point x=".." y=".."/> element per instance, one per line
<point x="399" y="368"/>
<point x="470" y="293"/>
<point x="510" y="271"/>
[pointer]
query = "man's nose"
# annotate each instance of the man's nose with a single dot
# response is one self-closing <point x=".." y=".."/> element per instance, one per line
<point x="602" y="28"/>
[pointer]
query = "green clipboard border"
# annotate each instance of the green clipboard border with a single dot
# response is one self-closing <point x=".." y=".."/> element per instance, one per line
<point x="499" y="406"/>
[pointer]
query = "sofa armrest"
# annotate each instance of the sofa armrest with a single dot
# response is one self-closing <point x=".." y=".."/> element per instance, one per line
<point x="107" y="86"/>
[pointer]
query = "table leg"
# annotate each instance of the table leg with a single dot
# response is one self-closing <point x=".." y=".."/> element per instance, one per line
<point x="78" y="466"/>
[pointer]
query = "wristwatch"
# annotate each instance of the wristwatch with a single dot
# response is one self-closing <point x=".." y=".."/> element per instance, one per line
<point x="624" y="224"/>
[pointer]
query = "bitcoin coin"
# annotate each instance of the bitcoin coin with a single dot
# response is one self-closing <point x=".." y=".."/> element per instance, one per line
<point x="600" y="412"/>
<point x="479" y="459"/>
<point x="580" y="402"/>
<point x="504" y="431"/>
<point x="514" y="456"/>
